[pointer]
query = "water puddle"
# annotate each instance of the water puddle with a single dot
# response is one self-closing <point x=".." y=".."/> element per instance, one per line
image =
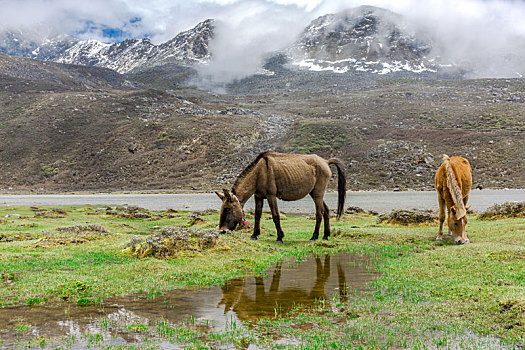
<point x="286" y="285"/>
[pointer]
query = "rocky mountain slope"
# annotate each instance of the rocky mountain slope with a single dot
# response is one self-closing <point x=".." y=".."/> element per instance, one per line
<point x="367" y="39"/>
<point x="65" y="127"/>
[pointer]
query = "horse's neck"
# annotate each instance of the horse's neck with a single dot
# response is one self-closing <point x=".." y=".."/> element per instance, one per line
<point x="244" y="189"/>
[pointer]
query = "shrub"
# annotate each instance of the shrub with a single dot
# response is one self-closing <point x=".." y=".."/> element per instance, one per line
<point x="171" y="241"/>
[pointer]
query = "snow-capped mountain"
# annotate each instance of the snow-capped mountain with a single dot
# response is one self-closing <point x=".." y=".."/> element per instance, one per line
<point x="188" y="47"/>
<point x="122" y="57"/>
<point x="366" y="39"/>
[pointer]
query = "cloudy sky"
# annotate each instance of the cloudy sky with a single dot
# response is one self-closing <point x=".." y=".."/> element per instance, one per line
<point x="471" y="28"/>
<point x="114" y="20"/>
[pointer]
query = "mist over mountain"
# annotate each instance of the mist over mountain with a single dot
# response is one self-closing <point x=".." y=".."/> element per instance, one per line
<point x="363" y="39"/>
<point x="31" y="44"/>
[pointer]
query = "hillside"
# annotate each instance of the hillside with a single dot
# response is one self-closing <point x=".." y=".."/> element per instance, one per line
<point x="60" y="135"/>
<point x="80" y="131"/>
<point x="23" y="74"/>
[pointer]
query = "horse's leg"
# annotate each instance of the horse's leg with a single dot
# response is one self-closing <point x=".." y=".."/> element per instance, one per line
<point x="326" y="218"/>
<point x="322" y="274"/>
<point x="341" y="279"/>
<point x="442" y="206"/>
<point x="319" y="213"/>
<point x="272" y="202"/>
<point x="260" y="292"/>
<point x="276" y="279"/>
<point x="464" y="235"/>
<point x="259" y="201"/>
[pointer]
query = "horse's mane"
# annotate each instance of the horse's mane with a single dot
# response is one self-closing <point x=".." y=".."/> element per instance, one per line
<point x="455" y="190"/>
<point x="247" y="170"/>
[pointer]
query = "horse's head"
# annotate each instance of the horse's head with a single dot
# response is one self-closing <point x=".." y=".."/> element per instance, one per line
<point x="457" y="226"/>
<point x="231" y="212"/>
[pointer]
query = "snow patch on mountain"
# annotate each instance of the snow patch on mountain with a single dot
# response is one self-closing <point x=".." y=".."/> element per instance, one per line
<point x="376" y="67"/>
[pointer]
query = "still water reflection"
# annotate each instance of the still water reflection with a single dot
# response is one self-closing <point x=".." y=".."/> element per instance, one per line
<point x="283" y="288"/>
<point x="286" y="285"/>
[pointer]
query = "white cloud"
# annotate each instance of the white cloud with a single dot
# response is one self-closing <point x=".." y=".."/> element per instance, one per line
<point x="246" y="33"/>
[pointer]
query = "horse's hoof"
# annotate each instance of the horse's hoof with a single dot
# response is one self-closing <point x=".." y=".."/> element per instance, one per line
<point x="253" y="237"/>
<point x="279" y="241"/>
<point x="325" y="238"/>
<point x="313" y="239"/>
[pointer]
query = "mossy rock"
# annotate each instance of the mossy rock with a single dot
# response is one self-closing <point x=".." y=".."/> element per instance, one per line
<point x="407" y="217"/>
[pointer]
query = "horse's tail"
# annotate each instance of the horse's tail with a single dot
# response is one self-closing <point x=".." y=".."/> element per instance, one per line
<point x="341" y="185"/>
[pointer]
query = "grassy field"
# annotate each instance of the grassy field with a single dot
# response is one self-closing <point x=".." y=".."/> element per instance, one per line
<point x="427" y="294"/>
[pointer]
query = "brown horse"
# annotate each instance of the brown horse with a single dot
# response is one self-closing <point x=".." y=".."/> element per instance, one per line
<point x="453" y="182"/>
<point x="285" y="176"/>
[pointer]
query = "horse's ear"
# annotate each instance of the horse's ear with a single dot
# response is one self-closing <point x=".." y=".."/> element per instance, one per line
<point x="228" y="195"/>
<point x="220" y="195"/>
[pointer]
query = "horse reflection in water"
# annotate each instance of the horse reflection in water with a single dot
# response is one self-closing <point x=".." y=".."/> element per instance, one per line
<point x="239" y="298"/>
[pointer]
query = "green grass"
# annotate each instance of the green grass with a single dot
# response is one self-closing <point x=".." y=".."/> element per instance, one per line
<point x="427" y="294"/>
